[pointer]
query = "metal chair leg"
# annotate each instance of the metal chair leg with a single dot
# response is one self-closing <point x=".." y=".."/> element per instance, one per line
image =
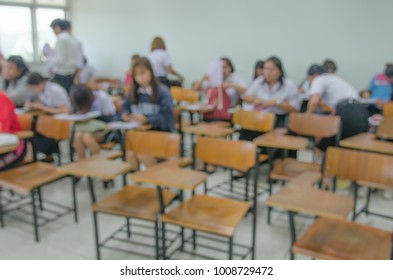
<point x="35" y="220"/>
<point x="96" y="236"/>
<point x="230" y="255"/>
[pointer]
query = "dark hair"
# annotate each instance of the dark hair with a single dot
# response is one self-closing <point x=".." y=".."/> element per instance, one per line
<point x="35" y="79"/>
<point x="389" y="70"/>
<point x="315" y="69"/>
<point x="329" y="66"/>
<point x="277" y="62"/>
<point x="258" y="65"/>
<point x="81" y="97"/>
<point x="229" y="62"/>
<point x="133" y="93"/>
<point x="20" y="65"/>
<point x="67" y="24"/>
<point x="157" y="43"/>
<point x="63" y="24"/>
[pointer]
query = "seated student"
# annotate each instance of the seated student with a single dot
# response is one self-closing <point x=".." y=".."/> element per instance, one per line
<point x="128" y="77"/>
<point x="271" y="93"/>
<point x="15" y="85"/>
<point x="234" y="86"/>
<point x="86" y="73"/>
<point x="258" y="69"/>
<point x="304" y="88"/>
<point x="89" y="134"/>
<point x="330" y="66"/>
<point x="148" y="102"/>
<point x="9" y="124"/>
<point x="52" y="99"/>
<point x="381" y="87"/>
<point x="162" y="63"/>
<point x="332" y="92"/>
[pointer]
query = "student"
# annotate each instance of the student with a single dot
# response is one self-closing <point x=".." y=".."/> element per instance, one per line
<point x="15" y="85"/>
<point x="66" y="62"/>
<point x="9" y="124"/>
<point x="304" y="88"/>
<point x="148" y="102"/>
<point x="87" y="72"/>
<point x="162" y="62"/>
<point x="234" y="86"/>
<point x="272" y="93"/>
<point x="258" y="69"/>
<point x="52" y="98"/>
<point x="2" y="62"/>
<point x="89" y="134"/>
<point x="329" y="65"/>
<point x="332" y="92"/>
<point x="128" y="77"/>
<point x="381" y="87"/>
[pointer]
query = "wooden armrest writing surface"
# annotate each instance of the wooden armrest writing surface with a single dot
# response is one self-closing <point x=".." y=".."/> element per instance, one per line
<point x="312" y="201"/>
<point x="280" y="141"/>
<point x="367" y="142"/>
<point x="171" y="177"/>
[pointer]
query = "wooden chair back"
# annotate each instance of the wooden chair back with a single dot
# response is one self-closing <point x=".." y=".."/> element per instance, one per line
<point x="387" y="110"/>
<point x="363" y="167"/>
<point x="385" y="129"/>
<point x="25" y="121"/>
<point x="157" y="144"/>
<point x="53" y="128"/>
<point x="182" y="94"/>
<point x="237" y="155"/>
<point x="252" y="120"/>
<point x="314" y="125"/>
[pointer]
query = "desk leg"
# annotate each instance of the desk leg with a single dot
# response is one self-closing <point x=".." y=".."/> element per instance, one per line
<point x="254" y="206"/>
<point x="355" y="200"/>
<point x="91" y="189"/>
<point x="291" y="216"/>
<point x="181" y="136"/>
<point x="270" y="154"/>
<point x="73" y="183"/>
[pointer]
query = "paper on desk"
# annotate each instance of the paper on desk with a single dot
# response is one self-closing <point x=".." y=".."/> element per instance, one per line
<point x="77" y="117"/>
<point x="123" y="125"/>
<point x="215" y="73"/>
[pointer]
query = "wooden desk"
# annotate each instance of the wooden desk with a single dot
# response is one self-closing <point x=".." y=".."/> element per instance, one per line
<point x="171" y="177"/>
<point x="25" y="134"/>
<point x="310" y="201"/>
<point x="367" y="142"/>
<point x="204" y="129"/>
<point x="197" y="108"/>
<point x="8" y="149"/>
<point x="96" y="167"/>
<point x="34" y="113"/>
<point x="276" y="139"/>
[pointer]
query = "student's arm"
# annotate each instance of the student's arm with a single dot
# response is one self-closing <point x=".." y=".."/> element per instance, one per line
<point x="316" y="91"/>
<point x="239" y="88"/>
<point x="251" y="92"/>
<point x="172" y="71"/>
<point x="313" y="103"/>
<point x="198" y="84"/>
<point x="164" y="119"/>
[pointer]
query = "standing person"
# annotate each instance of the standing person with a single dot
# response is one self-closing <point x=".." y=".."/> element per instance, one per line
<point x="258" y="69"/>
<point x="9" y="124"/>
<point x="67" y="60"/>
<point x="15" y="83"/>
<point x="162" y="62"/>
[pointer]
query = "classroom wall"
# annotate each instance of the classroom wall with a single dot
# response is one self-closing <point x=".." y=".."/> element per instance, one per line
<point x="355" y="33"/>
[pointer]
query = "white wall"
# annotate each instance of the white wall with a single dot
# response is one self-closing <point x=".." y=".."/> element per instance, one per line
<point x="355" y="33"/>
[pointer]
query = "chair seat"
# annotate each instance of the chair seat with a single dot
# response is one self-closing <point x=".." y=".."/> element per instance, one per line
<point x="134" y="202"/>
<point x="341" y="240"/>
<point x="209" y="130"/>
<point x="289" y="168"/>
<point x="28" y="177"/>
<point x="209" y="214"/>
<point x="217" y="123"/>
<point x="107" y="146"/>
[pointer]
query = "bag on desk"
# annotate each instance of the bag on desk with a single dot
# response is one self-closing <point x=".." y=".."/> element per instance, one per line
<point x="218" y="97"/>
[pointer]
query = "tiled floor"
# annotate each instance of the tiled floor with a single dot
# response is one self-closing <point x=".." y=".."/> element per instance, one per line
<point x="65" y="239"/>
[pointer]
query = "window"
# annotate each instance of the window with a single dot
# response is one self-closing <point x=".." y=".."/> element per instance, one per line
<point x="24" y="26"/>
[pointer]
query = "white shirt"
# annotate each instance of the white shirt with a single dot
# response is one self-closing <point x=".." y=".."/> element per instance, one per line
<point x="67" y="55"/>
<point x="160" y="60"/>
<point x="87" y="72"/>
<point x="280" y="92"/>
<point x="332" y="89"/>
<point x="54" y="96"/>
<point x="102" y="103"/>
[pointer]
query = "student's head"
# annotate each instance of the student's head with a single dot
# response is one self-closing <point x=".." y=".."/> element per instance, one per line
<point x="314" y="71"/>
<point x="227" y="67"/>
<point x="15" y="68"/>
<point x="273" y="71"/>
<point x="82" y="98"/>
<point x="134" y="58"/>
<point x="157" y="43"/>
<point x="364" y="93"/>
<point x="143" y="76"/>
<point x="36" y="83"/>
<point x="329" y="66"/>
<point x="258" y="70"/>
<point x="59" y="25"/>
<point x="389" y="71"/>
<point x="68" y="25"/>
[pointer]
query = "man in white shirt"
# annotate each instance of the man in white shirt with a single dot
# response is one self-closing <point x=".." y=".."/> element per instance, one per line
<point x="66" y="62"/>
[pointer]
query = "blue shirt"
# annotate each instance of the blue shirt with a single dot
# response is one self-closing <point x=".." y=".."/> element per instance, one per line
<point x="380" y="87"/>
<point x="160" y="115"/>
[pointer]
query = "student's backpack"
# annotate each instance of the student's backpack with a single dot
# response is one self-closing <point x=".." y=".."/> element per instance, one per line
<point x="354" y="118"/>
<point x="218" y="97"/>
